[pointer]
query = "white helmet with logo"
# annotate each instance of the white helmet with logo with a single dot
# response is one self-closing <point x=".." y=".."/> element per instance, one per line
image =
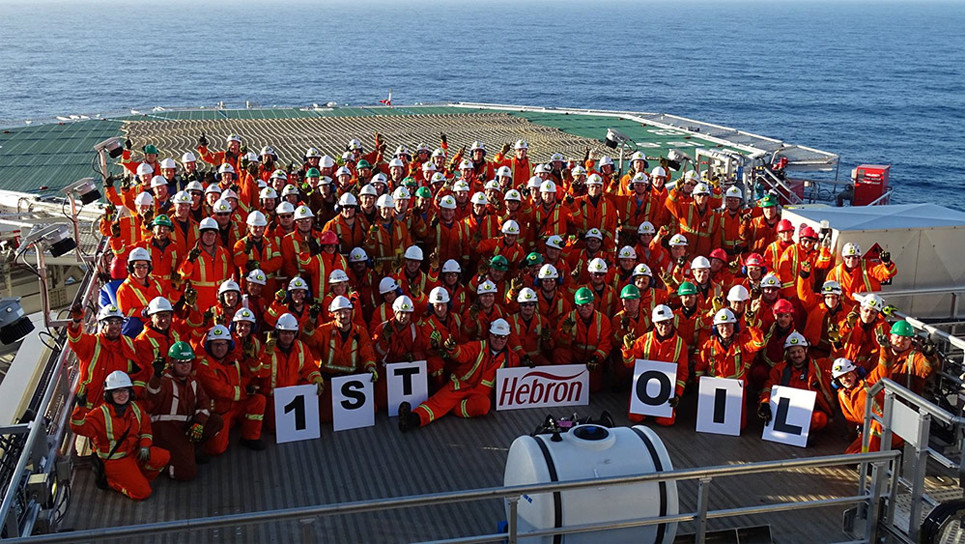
<point x="795" y="339"/>
<point x="414" y="253"/>
<point x="597" y="266"/>
<point x="841" y="367"/>
<point x="486" y="287"/>
<point x="287" y="322"/>
<point x="337" y="276"/>
<point x="117" y="380"/>
<point x="387" y="285"/>
<point x="403" y="304"/>
<point x="228" y="285"/>
<point x="510" y="227"/>
<point x="547" y="272"/>
<point x="661" y="312"/>
<point x="451" y="265"/>
<point x="159" y="304"/>
<point x="724" y="315"/>
<point x="439" y="295"/>
<point x="244" y="314"/>
<point x="499" y="327"/>
<point x="526" y="295"/>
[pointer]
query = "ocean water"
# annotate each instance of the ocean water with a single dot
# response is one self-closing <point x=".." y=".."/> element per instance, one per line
<point x="874" y="82"/>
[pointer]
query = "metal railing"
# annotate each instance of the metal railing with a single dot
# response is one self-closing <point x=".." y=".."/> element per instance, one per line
<point x="870" y="497"/>
<point x="918" y="437"/>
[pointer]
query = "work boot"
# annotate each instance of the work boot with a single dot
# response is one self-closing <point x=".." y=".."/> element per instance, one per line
<point x="407" y="419"/>
<point x="256" y="444"/>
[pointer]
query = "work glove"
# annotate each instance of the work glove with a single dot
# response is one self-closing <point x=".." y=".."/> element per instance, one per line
<point x="889" y="310"/>
<point x="250" y="389"/>
<point x="673" y="401"/>
<point x="882" y="339"/>
<point x="115" y="230"/>
<point x="253" y="169"/>
<point x="834" y="334"/>
<point x="568" y="199"/>
<point x="663" y="231"/>
<point x="625" y="322"/>
<point x="375" y="374"/>
<point x="80" y="399"/>
<point x="244" y="149"/>
<point x="546" y="335"/>
<point x="435" y="339"/>
<point x="525" y="192"/>
<point x="569" y="323"/>
<point x="681" y="261"/>
<point x="805" y="273"/>
<point x="314" y="247"/>
<point x="852" y="318"/>
<point x="928" y="348"/>
<point x="237" y="188"/>
<point x="474" y="311"/>
<point x="319" y="386"/>
<point x="148" y="216"/>
<point x="251" y="264"/>
<point x="885" y="257"/>
<point x="270" y="343"/>
<point x="207" y="316"/>
<point x="128" y="143"/>
<point x="77" y="312"/>
<point x="158" y="365"/>
<point x="373" y="230"/>
<point x="449" y="345"/>
<point x="250" y="244"/>
<point x="109" y="182"/>
<point x="190" y="296"/>
<point x="126" y="182"/>
<point x="195" y="432"/>
<point x="593" y="363"/>
<point x="378" y="139"/>
<point x="764" y="412"/>
<point x="628" y="340"/>
<point x="505" y="149"/>
<point x="194" y="254"/>
<point x="144" y="454"/>
<point x="718" y="302"/>
<point x="202" y="140"/>
<point x="528" y="362"/>
<point x="248" y="348"/>
<point x="314" y="311"/>
<point x="434" y="260"/>
<point x="110" y="211"/>
<point x="280" y="296"/>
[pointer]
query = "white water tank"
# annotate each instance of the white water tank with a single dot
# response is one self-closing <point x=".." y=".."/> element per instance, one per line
<point x="593" y="451"/>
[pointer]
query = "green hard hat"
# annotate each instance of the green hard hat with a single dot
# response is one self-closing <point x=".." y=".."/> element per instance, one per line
<point x="313" y="173"/>
<point x="163" y="221"/>
<point x="769" y="201"/>
<point x="408" y="182"/>
<point x="583" y="296"/>
<point x="181" y="351"/>
<point x="423" y="192"/>
<point x="630" y="292"/>
<point x="499" y="263"/>
<point x="534" y="259"/>
<point x="150" y="149"/>
<point x="687" y="288"/>
<point x="902" y="328"/>
<point x="363" y="164"/>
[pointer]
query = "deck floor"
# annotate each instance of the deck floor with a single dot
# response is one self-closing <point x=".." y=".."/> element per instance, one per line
<point x="451" y="454"/>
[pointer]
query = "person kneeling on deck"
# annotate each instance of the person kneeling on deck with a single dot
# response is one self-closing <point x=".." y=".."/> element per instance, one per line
<point x="121" y="435"/>
<point x="803" y="372"/>
<point x="470" y="387"/>
<point x="179" y="410"/>
<point x="853" y="397"/>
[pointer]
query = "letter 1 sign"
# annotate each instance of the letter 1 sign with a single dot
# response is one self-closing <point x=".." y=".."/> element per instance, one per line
<point x="296" y="413"/>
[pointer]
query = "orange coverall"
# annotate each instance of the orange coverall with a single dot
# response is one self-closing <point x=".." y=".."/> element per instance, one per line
<point x="672" y="349"/>
<point x="226" y="384"/>
<point x="587" y="339"/>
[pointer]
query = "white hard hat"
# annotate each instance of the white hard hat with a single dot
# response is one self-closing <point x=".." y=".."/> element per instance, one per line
<point x="343" y="171"/>
<point x="841" y="367"/>
<point x="325" y="180"/>
<point x="429" y="167"/>
<point x="385" y="201"/>
<point x="194" y="186"/>
<point x="534" y="182"/>
<point x="257" y="276"/>
<point x="340" y="303"/>
<point x="661" y="312"/>
<point x="486" y="287"/>
<point x="256" y="219"/>
<point x="337" y="276"/>
<point x="189" y="157"/>
<point x="521" y="144"/>
<point x="354" y="144"/>
<point x="593" y="233"/>
<point x="168" y="163"/>
<point x="244" y="314"/>
<point x="303" y="212"/>
<point x="738" y="293"/>
<point x="144" y="168"/>
<point x="513" y="194"/>
<point x="578" y="171"/>
<point x="218" y="332"/>
<point x="770" y="280"/>
<point x="228" y="285"/>
<point x="447" y="202"/>
<point x="208" y="223"/>
<point x="414" y="253"/>
<point x="465" y="165"/>
<point x="159" y="304"/>
<point x="701" y="189"/>
<point x="221" y="206"/>
<point x="479" y="199"/>
<point x="251" y="156"/>
<point x="287" y="322"/>
<point x="646" y="228"/>
<point x="638" y="156"/>
<point x="213" y="188"/>
<point x="477" y="145"/>
<point x="226" y="169"/>
<point x="555" y="241"/>
<point x="387" y="285"/>
<point x="347" y="199"/>
<point x="285" y="208"/>
<point x="831" y="287"/>
<point x="547" y="272"/>
<point x="312" y="153"/>
<point x="403" y="304"/>
<point x="401" y="193"/>
<point x="108" y="312"/>
<point x="117" y="380"/>
<point x="396" y="163"/>
<point x="402" y="150"/>
<point x="733" y="192"/>
<point x="640" y="177"/>
<point x="724" y="315"/>
<point x="289" y="189"/>
<point x="557" y="157"/>
<point x="357" y="255"/>
<point x="594" y="179"/>
<point x="451" y="265"/>
<point x="542" y="169"/>
<point x="232" y="138"/>
<point x="677" y="240"/>
<point x="547" y="187"/>
<point x="526" y="295"/>
<point x="438" y="152"/>
<point x="182" y="197"/>
<point x="138" y="254"/>
<point x="499" y="327"/>
<point x="439" y="295"/>
<point x="642" y="270"/>
<point x="326" y="162"/>
<point x="279" y="174"/>
<point x="627" y="252"/>
<point x="368" y="189"/>
<point x="460" y="185"/>
<point x="605" y="161"/>
<point x="268" y="192"/>
<point x="268" y="150"/>
<point x="873" y="302"/>
<point x="510" y="227"/>
<point x="504" y="172"/>
<point x="691" y="175"/>
<point x="144" y="199"/>
<point x="851" y="250"/>
<point x="438" y="177"/>
<point x="379" y="178"/>
<point x="597" y="266"/>
<point x="491" y="185"/>
<point x="658" y="171"/>
<point x="296" y="284"/>
<point x="158" y="181"/>
<point x="795" y="339"/>
<point x="700" y="262"/>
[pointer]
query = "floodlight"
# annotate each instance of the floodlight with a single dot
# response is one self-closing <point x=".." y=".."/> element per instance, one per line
<point x="113" y="146"/>
<point x="85" y="188"/>
<point x="614" y="138"/>
<point x="13" y="324"/>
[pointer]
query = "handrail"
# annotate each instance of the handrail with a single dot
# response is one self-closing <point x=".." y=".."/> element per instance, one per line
<point x="915" y="399"/>
<point x="511" y="492"/>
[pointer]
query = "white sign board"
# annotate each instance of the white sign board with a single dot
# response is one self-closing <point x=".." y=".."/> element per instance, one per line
<point x="719" y="405"/>
<point x="791" y="410"/>
<point x="353" y="402"/>
<point x="296" y="414"/>
<point x="542" y="387"/>
<point x="654" y="383"/>
<point x="408" y="382"/>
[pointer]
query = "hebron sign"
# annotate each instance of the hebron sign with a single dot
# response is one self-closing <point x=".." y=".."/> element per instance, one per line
<point x="542" y="387"/>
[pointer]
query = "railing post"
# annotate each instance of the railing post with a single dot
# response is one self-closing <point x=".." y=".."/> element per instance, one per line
<point x="308" y="530"/>
<point x="874" y="504"/>
<point x="703" y="501"/>
<point x="918" y="482"/>
<point x="513" y="521"/>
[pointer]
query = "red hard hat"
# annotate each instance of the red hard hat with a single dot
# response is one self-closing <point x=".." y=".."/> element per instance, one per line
<point x="808" y="232"/>
<point x="719" y="254"/>
<point x="754" y="259"/>
<point x="328" y="238"/>
<point x="784" y="225"/>
<point x="782" y="306"/>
